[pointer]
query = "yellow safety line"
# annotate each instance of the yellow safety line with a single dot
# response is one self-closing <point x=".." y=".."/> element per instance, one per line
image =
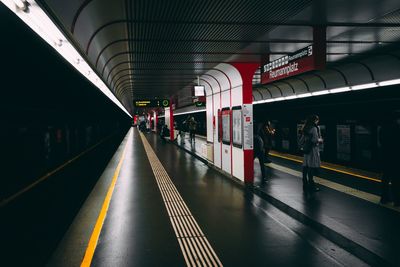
<point x="102" y="215"/>
<point x="332" y="169"/>
<point x="48" y="175"/>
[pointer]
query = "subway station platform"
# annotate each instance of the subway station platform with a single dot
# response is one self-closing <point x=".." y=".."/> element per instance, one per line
<point x="346" y="210"/>
<point x="157" y="205"/>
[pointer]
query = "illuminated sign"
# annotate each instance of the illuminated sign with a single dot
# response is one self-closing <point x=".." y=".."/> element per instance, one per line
<point x="199" y="90"/>
<point x="298" y="62"/>
<point x="151" y="103"/>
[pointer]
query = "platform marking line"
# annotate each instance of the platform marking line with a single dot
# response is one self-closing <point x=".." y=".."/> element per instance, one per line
<point x="195" y="247"/>
<point x="335" y="186"/>
<point x="330" y="168"/>
<point x="94" y="238"/>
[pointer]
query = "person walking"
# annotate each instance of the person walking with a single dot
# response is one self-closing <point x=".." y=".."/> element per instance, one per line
<point x="310" y="140"/>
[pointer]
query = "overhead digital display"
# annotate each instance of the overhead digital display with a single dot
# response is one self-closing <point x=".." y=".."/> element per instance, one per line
<point x="151" y="103"/>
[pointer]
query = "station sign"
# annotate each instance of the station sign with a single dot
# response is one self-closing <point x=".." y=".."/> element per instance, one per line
<point x="151" y="103"/>
<point x="295" y="63"/>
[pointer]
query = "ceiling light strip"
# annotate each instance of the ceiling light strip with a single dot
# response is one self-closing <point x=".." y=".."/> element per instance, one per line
<point x="332" y="91"/>
<point x="30" y="13"/>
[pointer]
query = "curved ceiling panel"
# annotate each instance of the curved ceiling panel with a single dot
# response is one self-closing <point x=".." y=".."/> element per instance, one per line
<point x="145" y="48"/>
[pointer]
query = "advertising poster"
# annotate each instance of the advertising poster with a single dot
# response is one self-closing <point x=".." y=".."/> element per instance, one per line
<point x="237" y="126"/>
<point x="343" y="142"/>
<point x="226" y="121"/>
<point x="248" y="126"/>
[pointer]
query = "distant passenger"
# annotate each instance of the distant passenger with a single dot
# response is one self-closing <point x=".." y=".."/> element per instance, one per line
<point x="259" y="151"/>
<point x="181" y="131"/>
<point x="310" y="140"/>
<point x="192" y="129"/>
<point x="142" y="126"/>
<point x="164" y="132"/>
<point x="390" y="140"/>
<point x="267" y="133"/>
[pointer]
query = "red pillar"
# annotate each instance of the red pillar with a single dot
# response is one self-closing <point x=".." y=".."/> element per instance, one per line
<point x="247" y="71"/>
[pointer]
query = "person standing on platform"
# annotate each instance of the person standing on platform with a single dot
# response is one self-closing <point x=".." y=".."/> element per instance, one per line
<point x="165" y="132"/>
<point x="267" y="133"/>
<point x="192" y="129"/>
<point x="310" y="140"/>
<point x="259" y="151"/>
<point x="390" y="141"/>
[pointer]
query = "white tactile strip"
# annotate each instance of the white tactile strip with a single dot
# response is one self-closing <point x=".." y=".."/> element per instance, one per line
<point x="338" y="187"/>
<point x="195" y="247"/>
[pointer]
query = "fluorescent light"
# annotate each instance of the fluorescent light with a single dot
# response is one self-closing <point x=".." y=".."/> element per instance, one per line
<point x="364" y="86"/>
<point x="189" y="112"/>
<point x="39" y="22"/>
<point x="389" y="82"/>
<point x="323" y="92"/>
<point x="20" y="4"/>
<point x="339" y="90"/>
<point x="264" y="101"/>
<point x="279" y="98"/>
<point x="304" y="95"/>
<point x="290" y="97"/>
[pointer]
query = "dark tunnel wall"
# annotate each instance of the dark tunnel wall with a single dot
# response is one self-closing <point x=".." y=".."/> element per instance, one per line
<point x="49" y="112"/>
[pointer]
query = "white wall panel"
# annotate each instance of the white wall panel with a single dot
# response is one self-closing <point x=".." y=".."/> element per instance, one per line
<point x="167" y="117"/>
<point x="238" y="166"/>
<point x="217" y="144"/>
<point x="226" y="158"/>
<point x="233" y="74"/>
<point x="237" y="96"/>
<point x="210" y="115"/>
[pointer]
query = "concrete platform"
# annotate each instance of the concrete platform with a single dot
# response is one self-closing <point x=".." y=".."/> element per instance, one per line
<point x="140" y="228"/>
<point x="349" y="217"/>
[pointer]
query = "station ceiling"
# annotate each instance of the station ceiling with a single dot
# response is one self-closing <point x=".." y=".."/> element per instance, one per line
<point x="154" y="48"/>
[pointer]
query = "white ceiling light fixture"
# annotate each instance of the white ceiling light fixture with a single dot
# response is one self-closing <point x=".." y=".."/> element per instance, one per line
<point x="304" y="95"/>
<point x="22" y="5"/>
<point x="339" y="90"/>
<point x="290" y="97"/>
<point x="364" y="86"/>
<point x="31" y="13"/>
<point x="389" y="82"/>
<point x="323" y="92"/>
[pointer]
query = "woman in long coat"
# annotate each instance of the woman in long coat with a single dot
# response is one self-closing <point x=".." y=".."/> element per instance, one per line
<point x="311" y="139"/>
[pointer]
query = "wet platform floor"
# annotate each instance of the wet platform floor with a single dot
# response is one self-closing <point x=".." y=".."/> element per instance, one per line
<point x="242" y="228"/>
<point x="341" y="211"/>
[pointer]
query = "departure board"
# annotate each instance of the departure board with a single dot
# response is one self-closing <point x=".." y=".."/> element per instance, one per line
<point x="151" y="103"/>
